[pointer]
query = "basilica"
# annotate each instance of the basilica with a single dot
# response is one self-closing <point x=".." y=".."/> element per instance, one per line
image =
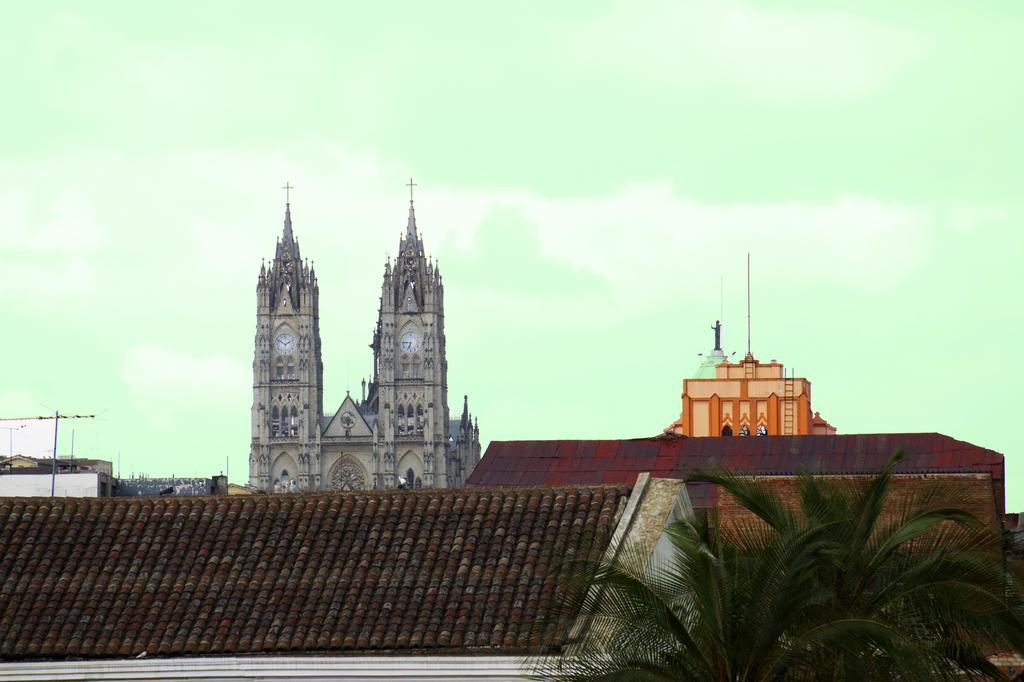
<point x="399" y="433"/>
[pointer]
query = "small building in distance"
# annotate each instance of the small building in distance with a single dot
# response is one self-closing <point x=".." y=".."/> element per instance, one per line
<point x="174" y="485"/>
<point x="239" y="489"/>
<point x="745" y="398"/>
<point x="22" y="476"/>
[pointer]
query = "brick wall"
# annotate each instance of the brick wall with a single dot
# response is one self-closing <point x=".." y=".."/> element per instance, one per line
<point x="970" y="492"/>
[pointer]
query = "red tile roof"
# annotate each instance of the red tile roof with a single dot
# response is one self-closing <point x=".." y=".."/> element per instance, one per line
<point x="587" y="462"/>
<point x="468" y="569"/>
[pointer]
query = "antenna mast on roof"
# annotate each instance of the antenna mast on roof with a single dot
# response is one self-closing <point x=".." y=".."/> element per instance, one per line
<point x="57" y="416"/>
<point x="721" y="296"/>
<point x="748" y="303"/>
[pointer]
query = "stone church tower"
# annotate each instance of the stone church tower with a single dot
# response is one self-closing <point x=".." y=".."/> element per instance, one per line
<point x="287" y="369"/>
<point x="399" y="433"/>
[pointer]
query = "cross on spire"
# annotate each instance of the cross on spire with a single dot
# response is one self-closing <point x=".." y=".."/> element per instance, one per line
<point x="288" y="237"/>
<point x="410" y="185"/>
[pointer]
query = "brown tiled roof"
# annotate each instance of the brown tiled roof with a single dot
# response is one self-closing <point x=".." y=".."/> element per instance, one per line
<point x="469" y="569"/>
<point x="586" y="462"/>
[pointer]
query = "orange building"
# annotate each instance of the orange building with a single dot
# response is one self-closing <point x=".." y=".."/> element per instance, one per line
<point x="746" y="398"/>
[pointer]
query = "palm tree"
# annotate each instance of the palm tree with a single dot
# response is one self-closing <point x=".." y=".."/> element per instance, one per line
<point x="852" y="584"/>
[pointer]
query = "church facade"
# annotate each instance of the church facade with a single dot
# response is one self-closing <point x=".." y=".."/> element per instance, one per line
<point x="399" y="433"/>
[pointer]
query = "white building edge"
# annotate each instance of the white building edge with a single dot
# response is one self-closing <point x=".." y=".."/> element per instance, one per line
<point x="306" y="668"/>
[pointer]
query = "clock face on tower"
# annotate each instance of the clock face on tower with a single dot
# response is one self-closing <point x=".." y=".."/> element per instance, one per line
<point x="284" y="343"/>
<point x="411" y="342"/>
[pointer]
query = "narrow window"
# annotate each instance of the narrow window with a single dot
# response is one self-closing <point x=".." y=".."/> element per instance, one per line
<point x="401" y="419"/>
<point x="295" y="422"/>
<point x="291" y="369"/>
<point x="280" y="368"/>
<point x="275" y="421"/>
<point x="410" y="476"/>
<point x="726" y="430"/>
<point x="419" y="483"/>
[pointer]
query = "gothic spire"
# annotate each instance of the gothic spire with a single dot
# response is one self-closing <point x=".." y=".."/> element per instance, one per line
<point x="287" y="247"/>
<point x="288" y="222"/>
<point x="410" y="228"/>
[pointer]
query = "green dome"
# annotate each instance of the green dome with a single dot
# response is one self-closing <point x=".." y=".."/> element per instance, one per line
<point x="706" y="370"/>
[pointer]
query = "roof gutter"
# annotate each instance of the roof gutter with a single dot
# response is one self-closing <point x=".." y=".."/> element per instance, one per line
<point x="307" y="668"/>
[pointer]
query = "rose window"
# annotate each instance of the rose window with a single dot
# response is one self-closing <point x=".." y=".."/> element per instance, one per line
<point x="348" y="476"/>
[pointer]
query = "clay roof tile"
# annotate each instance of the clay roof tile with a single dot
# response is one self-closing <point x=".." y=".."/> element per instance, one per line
<point x="447" y="569"/>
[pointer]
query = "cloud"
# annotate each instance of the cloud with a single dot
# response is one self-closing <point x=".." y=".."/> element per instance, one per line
<point x="14" y="402"/>
<point x="644" y="240"/>
<point x="32" y="437"/>
<point x="645" y="229"/>
<point x="638" y="242"/>
<point x="63" y="222"/>
<point x="47" y="240"/>
<point x="168" y="374"/>
<point x="764" y="51"/>
<point x="506" y="257"/>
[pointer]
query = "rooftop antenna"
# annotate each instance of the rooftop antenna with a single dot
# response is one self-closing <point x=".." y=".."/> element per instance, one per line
<point x="748" y="303"/>
<point x="10" y="437"/>
<point x="57" y="416"/>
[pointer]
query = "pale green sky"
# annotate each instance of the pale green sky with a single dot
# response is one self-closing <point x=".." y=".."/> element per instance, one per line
<point x="588" y="172"/>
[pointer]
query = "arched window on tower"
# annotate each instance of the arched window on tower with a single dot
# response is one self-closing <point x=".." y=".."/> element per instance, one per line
<point x="419" y="419"/>
<point x="417" y="367"/>
<point x="410" y="476"/>
<point x="419" y="483"/>
<point x="401" y="419"/>
<point x="291" y="368"/>
<point x="275" y="421"/>
<point x="726" y="430"/>
<point x="294" y="430"/>
<point x="280" y="369"/>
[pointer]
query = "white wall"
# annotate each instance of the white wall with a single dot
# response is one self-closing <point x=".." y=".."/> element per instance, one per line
<point x="305" y="668"/>
<point x="86" y="484"/>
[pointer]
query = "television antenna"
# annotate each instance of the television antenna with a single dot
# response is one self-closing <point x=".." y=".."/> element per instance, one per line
<point x="56" y="417"/>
